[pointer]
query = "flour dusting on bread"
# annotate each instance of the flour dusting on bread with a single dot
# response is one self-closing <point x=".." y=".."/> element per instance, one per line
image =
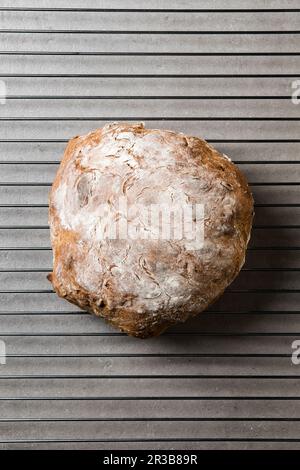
<point x="144" y="285"/>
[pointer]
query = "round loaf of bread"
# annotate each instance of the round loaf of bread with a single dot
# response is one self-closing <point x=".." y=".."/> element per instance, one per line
<point x="148" y="227"/>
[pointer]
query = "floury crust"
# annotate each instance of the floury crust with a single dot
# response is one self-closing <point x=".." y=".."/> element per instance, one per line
<point x="144" y="286"/>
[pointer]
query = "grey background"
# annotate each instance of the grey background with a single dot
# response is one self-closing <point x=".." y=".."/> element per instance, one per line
<point x="224" y="380"/>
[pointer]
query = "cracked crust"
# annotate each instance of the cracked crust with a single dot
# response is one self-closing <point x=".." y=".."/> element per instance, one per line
<point x="142" y="287"/>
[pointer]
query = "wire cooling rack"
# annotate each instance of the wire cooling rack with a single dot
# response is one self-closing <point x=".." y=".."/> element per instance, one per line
<point x="213" y="69"/>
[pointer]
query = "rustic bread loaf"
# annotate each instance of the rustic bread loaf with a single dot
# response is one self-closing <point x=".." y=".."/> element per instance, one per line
<point x="144" y="283"/>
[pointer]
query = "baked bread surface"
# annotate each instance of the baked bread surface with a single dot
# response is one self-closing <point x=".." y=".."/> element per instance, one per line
<point x="142" y="286"/>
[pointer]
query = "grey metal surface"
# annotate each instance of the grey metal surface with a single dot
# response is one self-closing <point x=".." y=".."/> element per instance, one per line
<point x="225" y="379"/>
